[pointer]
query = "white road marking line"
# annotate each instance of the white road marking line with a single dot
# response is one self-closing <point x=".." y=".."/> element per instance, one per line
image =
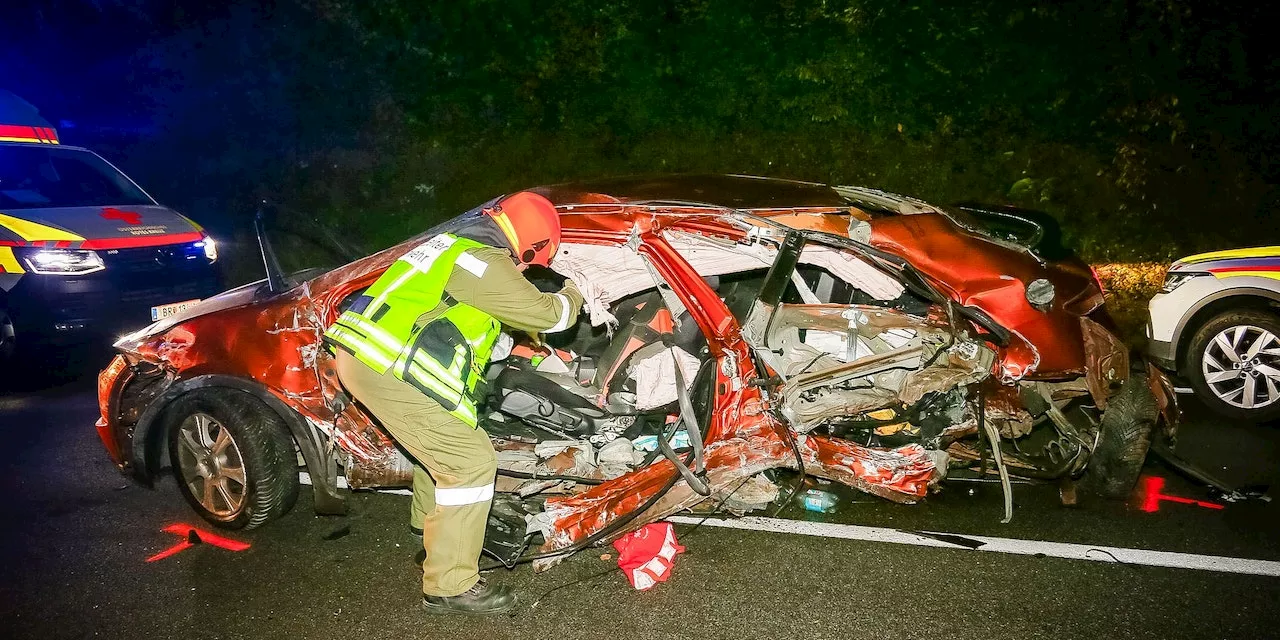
<point x="1096" y="553"/>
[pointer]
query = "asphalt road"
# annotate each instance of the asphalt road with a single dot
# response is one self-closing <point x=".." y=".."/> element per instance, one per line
<point x="77" y="536"/>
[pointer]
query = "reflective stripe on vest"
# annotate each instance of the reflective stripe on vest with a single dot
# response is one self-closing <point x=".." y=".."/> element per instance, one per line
<point x="445" y="358"/>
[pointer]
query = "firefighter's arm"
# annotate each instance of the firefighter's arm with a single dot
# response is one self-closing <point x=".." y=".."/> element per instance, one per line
<point x="502" y="292"/>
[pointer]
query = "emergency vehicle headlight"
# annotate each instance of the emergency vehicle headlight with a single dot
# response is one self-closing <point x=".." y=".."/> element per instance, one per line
<point x="1174" y="280"/>
<point x="64" y="261"/>
<point x="210" y="249"/>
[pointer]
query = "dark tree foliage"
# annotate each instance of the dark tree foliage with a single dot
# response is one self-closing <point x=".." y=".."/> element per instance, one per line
<point x="1146" y="126"/>
<point x="1143" y="124"/>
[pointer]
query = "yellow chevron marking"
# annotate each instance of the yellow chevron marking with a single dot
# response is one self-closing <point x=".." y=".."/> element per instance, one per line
<point x="8" y="262"/>
<point x="1253" y="252"/>
<point x="1274" y="275"/>
<point x="194" y="224"/>
<point x="508" y="230"/>
<point x="34" y="140"/>
<point x="32" y="232"/>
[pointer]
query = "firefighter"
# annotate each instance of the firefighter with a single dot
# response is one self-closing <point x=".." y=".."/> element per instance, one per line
<point x="413" y="349"/>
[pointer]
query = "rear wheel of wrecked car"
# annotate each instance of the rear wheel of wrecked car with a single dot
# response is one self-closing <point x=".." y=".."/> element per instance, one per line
<point x="1234" y="365"/>
<point x="1125" y="437"/>
<point x="232" y="457"/>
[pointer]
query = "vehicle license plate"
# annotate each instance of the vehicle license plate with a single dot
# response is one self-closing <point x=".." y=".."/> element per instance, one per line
<point x="165" y="310"/>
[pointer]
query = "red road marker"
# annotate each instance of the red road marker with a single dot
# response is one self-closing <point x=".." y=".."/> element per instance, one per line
<point x="1151" y="497"/>
<point x="181" y="546"/>
<point x="191" y="536"/>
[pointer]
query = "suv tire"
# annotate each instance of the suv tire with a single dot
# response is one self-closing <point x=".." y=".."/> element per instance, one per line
<point x="1232" y="354"/>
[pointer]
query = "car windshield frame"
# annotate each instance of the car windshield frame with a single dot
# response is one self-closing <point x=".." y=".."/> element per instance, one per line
<point x="41" y="177"/>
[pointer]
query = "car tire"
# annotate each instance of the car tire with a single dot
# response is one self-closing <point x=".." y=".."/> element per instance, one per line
<point x="1123" y="441"/>
<point x="232" y="457"/>
<point x="1207" y="354"/>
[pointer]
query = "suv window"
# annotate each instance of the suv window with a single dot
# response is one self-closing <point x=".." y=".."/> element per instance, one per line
<point x="39" y="176"/>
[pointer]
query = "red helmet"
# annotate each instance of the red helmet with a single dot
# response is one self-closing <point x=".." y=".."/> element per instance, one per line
<point x="531" y="225"/>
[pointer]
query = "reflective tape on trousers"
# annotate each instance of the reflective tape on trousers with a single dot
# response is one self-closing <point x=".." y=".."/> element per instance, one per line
<point x="461" y="496"/>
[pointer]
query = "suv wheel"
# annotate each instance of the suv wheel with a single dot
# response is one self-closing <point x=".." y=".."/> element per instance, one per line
<point x="232" y="457"/>
<point x="1234" y="365"/>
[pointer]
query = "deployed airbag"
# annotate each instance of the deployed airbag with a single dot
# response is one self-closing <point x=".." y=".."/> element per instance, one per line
<point x="655" y="377"/>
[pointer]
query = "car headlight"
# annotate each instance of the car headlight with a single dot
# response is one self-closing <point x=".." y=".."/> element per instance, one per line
<point x="1175" y="280"/>
<point x="1040" y="293"/>
<point x="210" y="248"/>
<point x="63" y="261"/>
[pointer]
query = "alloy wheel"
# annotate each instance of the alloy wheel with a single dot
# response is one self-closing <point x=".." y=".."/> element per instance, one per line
<point x="211" y="465"/>
<point x="1241" y="365"/>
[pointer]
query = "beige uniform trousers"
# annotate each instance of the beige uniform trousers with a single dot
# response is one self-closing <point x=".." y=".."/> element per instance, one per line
<point x="452" y="502"/>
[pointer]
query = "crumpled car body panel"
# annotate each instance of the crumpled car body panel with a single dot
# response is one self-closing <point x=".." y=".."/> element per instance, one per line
<point x="995" y="281"/>
<point x="274" y="342"/>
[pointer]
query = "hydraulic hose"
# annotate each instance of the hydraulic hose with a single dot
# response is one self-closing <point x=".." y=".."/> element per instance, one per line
<point x="795" y="449"/>
<point x="790" y="437"/>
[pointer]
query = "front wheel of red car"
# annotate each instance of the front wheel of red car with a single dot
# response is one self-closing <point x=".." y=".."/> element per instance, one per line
<point x="232" y="457"/>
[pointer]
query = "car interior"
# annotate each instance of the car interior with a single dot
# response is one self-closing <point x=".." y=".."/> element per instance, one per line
<point x="582" y="382"/>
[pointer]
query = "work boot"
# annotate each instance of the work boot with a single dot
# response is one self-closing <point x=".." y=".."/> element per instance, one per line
<point x="480" y="599"/>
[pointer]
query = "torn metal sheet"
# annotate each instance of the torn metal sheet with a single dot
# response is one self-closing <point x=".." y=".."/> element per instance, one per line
<point x="1106" y="361"/>
<point x="839" y="361"/>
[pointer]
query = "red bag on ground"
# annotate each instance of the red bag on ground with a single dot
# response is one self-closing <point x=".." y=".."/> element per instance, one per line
<point x="646" y="555"/>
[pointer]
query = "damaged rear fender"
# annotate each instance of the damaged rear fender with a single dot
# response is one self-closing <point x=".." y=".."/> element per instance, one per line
<point x="147" y="448"/>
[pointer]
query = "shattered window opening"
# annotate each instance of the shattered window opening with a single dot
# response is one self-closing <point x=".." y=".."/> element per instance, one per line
<point x="856" y="363"/>
<point x="591" y="407"/>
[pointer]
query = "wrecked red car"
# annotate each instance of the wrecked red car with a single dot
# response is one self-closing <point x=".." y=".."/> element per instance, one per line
<point x="736" y="325"/>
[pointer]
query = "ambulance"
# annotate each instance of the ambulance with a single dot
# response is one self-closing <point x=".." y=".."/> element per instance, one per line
<point x="85" y="253"/>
